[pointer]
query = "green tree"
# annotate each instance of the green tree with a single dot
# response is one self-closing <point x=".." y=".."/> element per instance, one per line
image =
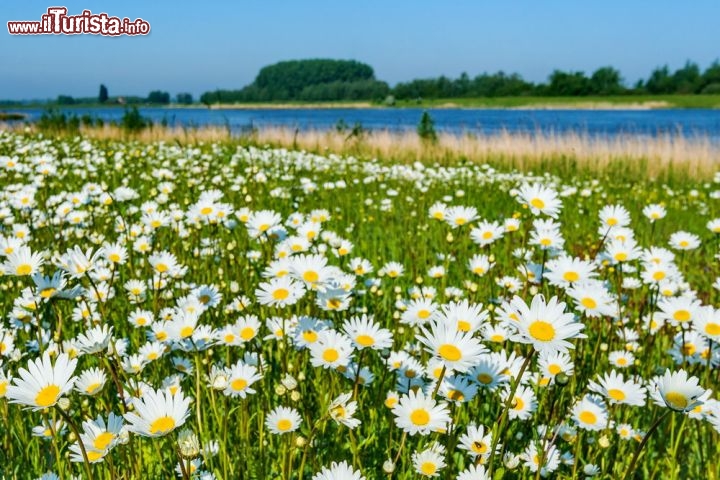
<point x="184" y="98"/>
<point x="606" y="81"/>
<point x="426" y="128"/>
<point x="157" y="96"/>
<point x="103" y="96"/>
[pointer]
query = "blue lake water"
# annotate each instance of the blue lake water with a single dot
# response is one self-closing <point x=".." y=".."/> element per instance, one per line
<point x="686" y="122"/>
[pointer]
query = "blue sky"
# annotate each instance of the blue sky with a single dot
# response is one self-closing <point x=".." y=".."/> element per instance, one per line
<point x="199" y="46"/>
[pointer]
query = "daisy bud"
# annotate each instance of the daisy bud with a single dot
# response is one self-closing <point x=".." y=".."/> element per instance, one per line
<point x="295" y="396"/>
<point x="388" y="466"/>
<point x="561" y="379"/>
<point x="300" y="441"/>
<point x="511" y="461"/>
<point x="289" y="382"/>
<point x="604" y="442"/>
<point x="603" y="347"/>
<point x="64" y="403"/>
<point x="188" y="444"/>
<point x="280" y="390"/>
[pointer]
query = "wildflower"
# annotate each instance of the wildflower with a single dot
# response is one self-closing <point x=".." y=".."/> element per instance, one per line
<point x="546" y="325"/>
<point x="158" y="413"/>
<point x="417" y="413"/>
<point x="283" y="420"/>
<point x="43" y="383"/>
<point x="677" y="391"/>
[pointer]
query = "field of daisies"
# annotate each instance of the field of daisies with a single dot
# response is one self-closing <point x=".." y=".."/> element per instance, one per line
<point x="222" y="311"/>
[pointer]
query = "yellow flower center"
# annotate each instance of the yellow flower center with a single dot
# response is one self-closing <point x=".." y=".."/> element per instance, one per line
<point x="238" y="384"/>
<point x="537" y="203"/>
<point x="542" y="331"/>
<point x="612" y="221"/>
<point x="587" y="417"/>
<point x="186" y="331"/>
<point x="554" y="369"/>
<point x="479" y="447"/>
<point x="424" y="313"/>
<point x="330" y="355"/>
<point x="310" y="336"/>
<point x="47" y="396"/>
<point x="206" y="211"/>
<point x="681" y="315"/>
<point x="311" y="276"/>
<point x="247" y="333"/>
<point x="616" y="394"/>
<point x="589" y="303"/>
<point x="47" y="293"/>
<point x="94" y="455"/>
<point x="161" y="267"/>
<point x="487" y="235"/>
<point x="365" y="340"/>
<point x="92" y="388"/>
<point x="23" y="269"/>
<point x="281" y="294"/>
<point x="518" y="403"/>
<point x="545" y="242"/>
<point x="428" y="468"/>
<point x="676" y="400"/>
<point x="485" y="378"/>
<point x="284" y="425"/>
<point x="450" y="352"/>
<point x="460" y="221"/>
<point x="659" y="275"/>
<point x="162" y="425"/>
<point x="621" y="256"/>
<point x="463" y="326"/>
<point x="621" y="361"/>
<point x="420" y="417"/>
<point x="712" y="328"/>
<point x="103" y="440"/>
<point x="571" y="277"/>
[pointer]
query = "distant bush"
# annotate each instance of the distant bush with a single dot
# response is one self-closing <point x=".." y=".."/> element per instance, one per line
<point x="426" y="128"/>
<point x="133" y="121"/>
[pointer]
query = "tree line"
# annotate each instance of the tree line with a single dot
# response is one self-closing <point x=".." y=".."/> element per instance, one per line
<point x="331" y="80"/>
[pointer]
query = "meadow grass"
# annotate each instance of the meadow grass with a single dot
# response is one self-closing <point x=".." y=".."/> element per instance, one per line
<point x="203" y="224"/>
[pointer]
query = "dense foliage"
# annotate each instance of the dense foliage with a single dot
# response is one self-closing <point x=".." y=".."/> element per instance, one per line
<point x="308" y="80"/>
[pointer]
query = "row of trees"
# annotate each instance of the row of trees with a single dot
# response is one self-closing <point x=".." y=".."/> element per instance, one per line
<point x="688" y="79"/>
<point x="335" y="80"/>
<point x="157" y="97"/>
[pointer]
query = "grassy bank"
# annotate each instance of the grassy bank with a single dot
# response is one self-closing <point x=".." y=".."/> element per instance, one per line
<point x="633" y="157"/>
<point x="619" y="102"/>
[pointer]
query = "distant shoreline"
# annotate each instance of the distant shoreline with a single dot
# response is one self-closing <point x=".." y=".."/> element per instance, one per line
<point x="626" y="102"/>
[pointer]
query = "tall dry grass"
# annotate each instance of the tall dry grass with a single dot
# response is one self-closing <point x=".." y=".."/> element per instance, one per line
<point x="659" y="157"/>
<point x="662" y="157"/>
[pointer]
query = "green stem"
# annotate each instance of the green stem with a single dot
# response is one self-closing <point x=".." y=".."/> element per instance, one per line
<point x="645" y="439"/>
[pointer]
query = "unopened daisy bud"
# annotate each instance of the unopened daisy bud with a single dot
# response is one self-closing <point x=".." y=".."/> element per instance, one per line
<point x="603" y="347"/>
<point x="533" y="290"/>
<point x="280" y="390"/>
<point x="219" y="381"/>
<point x="188" y="444"/>
<point x="295" y="396"/>
<point x="300" y="441"/>
<point x="301" y="377"/>
<point x="419" y="280"/>
<point x="449" y="238"/>
<point x="64" y="403"/>
<point x="604" y="442"/>
<point x="388" y="466"/>
<point x="289" y="382"/>
<point x="511" y="461"/>
<point x="561" y="379"/>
